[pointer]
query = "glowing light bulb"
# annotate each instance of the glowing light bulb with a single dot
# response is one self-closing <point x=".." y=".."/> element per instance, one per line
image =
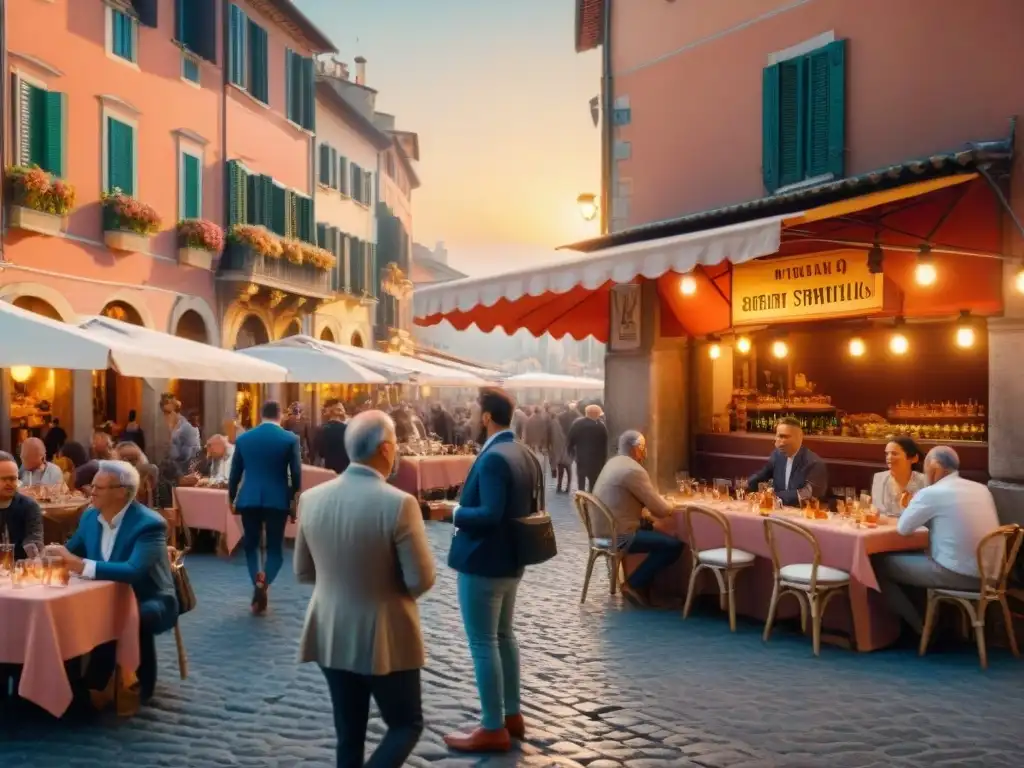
<point x="857" y="347"/>
<point x="687" y="286"/>
<point x="898" y="344"/>
<point x="1019" y="281"/>
<point x="779" y="350"/>
<point x="714" y="351"/>
<point x="21" y="373"/>
<point x="925" y="274"/>
<point x="743" y="345"/>
<point x="965" y="337"/>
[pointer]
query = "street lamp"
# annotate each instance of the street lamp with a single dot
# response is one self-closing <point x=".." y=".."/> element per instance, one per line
<point x="588" y="205"/>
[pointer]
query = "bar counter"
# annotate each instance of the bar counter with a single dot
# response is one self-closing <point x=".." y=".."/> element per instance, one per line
<point x="852" y="461"/>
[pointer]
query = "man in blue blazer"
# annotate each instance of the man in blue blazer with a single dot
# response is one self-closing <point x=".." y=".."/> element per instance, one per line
<point x="796" y="472"/>
<point x="266" y="476"/>
<point x="499" y="489"/>
<point x="118" y="539"/>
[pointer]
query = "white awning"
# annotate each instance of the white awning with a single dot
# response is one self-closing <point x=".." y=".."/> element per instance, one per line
<point x="37" y="341"/>
<point x="141" y="352"/>
<point x="736" y="243"/>
<point x="484" y="373"/>
<point x="314" y="364"/>
<point x="553" y="381"/>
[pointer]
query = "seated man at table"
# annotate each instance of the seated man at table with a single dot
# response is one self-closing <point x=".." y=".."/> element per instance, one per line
<point x="35" y="469"/>
<point x="796" y="472"/>
<point x="626" y="489"/>
<point x="120" y="540"/>
<point x="958" y="513"/>
<point x="214" y="469"/>
<point x="21" y="519"/>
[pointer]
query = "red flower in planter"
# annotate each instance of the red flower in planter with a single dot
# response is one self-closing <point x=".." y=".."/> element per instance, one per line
<point x="201" y="234"/>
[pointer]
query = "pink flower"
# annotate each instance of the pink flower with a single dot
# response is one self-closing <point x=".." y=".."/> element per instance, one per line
<point x="201" y="234"/>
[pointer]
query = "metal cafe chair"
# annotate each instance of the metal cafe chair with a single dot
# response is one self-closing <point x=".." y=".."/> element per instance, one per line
<point x="812" y="584"/>
<point x="600" y="547"/>
<point x="997" y="554"/>
<point x="724" y="562"/>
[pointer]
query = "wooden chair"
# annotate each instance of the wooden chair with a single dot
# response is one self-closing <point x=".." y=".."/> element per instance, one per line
<point x="600" y="547"/>
<point x="177" y="558"/>
<point x="724" y="562"/>
<point x="812" y="584"/>
<point x="997" y="555"/>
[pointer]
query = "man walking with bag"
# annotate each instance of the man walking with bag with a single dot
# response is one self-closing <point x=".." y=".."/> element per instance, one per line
<point x="500" y="489"/>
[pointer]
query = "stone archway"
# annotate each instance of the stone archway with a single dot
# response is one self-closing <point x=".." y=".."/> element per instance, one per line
<point x="191" y="393"/>
<point x="294" y="328"/>
<point x="252" y="332"/>
<point x="327" y="335"/>
<point x="116" y="398"/>
<point x="357" y="339"/>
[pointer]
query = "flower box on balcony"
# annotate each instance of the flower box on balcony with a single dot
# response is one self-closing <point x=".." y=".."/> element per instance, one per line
<point x="32" y="220"/>
<point x="198" y="242"/>
<point x="122" y="240"/>
<point x="196" y="257"/>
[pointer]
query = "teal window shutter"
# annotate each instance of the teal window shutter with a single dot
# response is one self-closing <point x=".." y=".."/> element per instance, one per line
<point x="258" y="75"/>
<point x="770" y="127"/>
<point x="192" y="180"/>
<point x="56" y="112"/>
<point x="792" y="106"/>
<point x="122" y="41"/>
<point x="238" y="182"/>
<point x="357" y="265"/>
<point x="325" y="164"/>
<point x="120" y="157"/>
<point x="237" y="61"/>
<point x="356" y="182"/>
<point x="343" y="175"/>
<point x="307" y="119"/>
<point x="371" y="269"/>
<point x="321" y="235"/>
<point x="254" y="207"/>
<point x="279" y="210"/>
<point x="333" y="162"/>
<point x="826" y="108"/>
<point x="36" y="126"/>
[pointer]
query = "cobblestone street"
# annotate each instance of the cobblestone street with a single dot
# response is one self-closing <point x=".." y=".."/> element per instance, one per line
<point x="603" y="685"/>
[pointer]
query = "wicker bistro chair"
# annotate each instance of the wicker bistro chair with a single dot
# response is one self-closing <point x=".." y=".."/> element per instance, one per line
<point x="724" y="562"/>
<point x="600" y="547"/>
<point x="812" y="584"/>
<point x="997" y="555"/>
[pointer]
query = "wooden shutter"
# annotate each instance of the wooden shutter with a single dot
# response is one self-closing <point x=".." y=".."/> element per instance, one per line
<point x="204" y="23"/>
<point x="369" y="188"/>
<point x="258" y="75"/>
<point x="306" y="219"/>
<point x="356" y="180"/>
<point x="333" y="161"/>
<point x="278" y="210"/>
<point x="770" y="127"/>
<point x="120" y="157"/>
<point x="356" y="265"/>
<point x="238" y="34"/>
<point x="343" y="184"/>
<point x="237" y="193"/>
<point x="792" y="111"/>
<point x="826" y="110"/>
<point x="24" y="123"/>
<point x="321" y="235"/>
<point x="371" y="269"/>
<point x="325" y="164"/>
<point x="307" y="119"/>
<point x="192" y="179"/>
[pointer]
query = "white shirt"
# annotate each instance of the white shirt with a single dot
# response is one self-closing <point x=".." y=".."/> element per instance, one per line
<point x="958" y="513"/>
<point x="484" y="447"/>
<point x="108" y="537"/>
<point x="789" y="471"/>
<point x="46" y="474"/>
<point x="220" y="469"/>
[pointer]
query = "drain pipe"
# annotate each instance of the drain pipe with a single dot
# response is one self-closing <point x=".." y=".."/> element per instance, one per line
<point x="607" y="132"/>
<point x="3" y="139"/>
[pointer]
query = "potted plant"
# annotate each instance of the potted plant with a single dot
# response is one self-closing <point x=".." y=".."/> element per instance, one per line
<point x="199" y="241"/>
<point x="259" y="240"/>
<point x="293" y="250"/>
<point x="320" y="258"/>
<point x="39" y="202"/>
<point x="128" y="223"/>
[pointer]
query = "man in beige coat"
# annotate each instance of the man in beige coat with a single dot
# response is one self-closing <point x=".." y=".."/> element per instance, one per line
<point x="363" y="545"/>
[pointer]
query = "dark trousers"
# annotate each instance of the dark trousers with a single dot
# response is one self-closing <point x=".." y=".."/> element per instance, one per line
<point x="564" y="470"/>
<point x="398" y="699"/>
<point x="154" y="618"/>
<point x="662" y="551"/>
<point x="587" y="476"/>
<point x="254" y="521"/>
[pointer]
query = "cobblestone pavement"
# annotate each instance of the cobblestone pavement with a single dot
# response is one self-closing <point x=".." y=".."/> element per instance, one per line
<point x="604" y="685"/>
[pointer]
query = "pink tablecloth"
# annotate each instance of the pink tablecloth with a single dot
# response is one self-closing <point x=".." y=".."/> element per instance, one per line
<point x="842" y="546"/>
<point x="418" y="474"/>
<point x="42" y="627"/>
<point x="208" y="509"/>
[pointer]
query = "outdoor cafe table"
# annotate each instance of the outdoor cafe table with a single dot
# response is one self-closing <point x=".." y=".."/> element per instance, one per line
<point x="843" y="545"/>
<point x="60" y="518"/>
<point x="208" y="509"/>
<point x="42" y="627"/>
<point x="419" y="474"/>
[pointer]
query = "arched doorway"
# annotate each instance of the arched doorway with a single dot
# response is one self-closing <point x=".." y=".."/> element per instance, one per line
<point x="115" y="397"/>
<point x="251" y="333"/>
<point x="327" y="335"/>
<point x="357" y="339"/>
<point x="39" y="397"/>
<point x="189" y="392"/>
<point x="292" y="393"/>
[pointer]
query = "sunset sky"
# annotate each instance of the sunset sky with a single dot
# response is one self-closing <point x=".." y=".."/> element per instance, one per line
<point x="500" y="100"/>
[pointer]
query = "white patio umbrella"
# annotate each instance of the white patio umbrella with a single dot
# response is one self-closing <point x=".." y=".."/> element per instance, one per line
<point x="145" y="353"/>
<point x="34" y="340"/>
<point x="553" y="381"/>
<point x="314" y="364"/>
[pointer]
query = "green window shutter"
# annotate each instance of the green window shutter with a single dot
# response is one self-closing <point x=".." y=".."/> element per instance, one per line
<point x="254" y="200"/>
<point x="305" y="219"/>
<point x="237" y="193"/>
<point x="343" y="175"/>
<point x="355" y="182"/>
<point x="258" y="76"/>
<point x="770" y="127"/>
<point x="321" y="235"/>
<point x="37" y="126"/>
<point x="279" y="210"/>
<point x="288" y="89"/>
<point x="122" y="41"/>
<point x="826" y="110"/>
<point x="792" y="111"/>
<point x="238" y="31"/>
<point x="192" y="179"/>
<point x="369" y="188"/>
<point x="307" y="118"/>
<point x="343" y="270"/>
<point x="325" y="164"/>
<point x="120" y="157"/>
<point x="371" y="269"/>
<point x="333" y="162"/>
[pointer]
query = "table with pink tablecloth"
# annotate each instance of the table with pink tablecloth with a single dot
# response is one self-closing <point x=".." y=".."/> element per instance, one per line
<point x="843" y="545"/>
<point x="42" y="627"/>
<point x="419" y="474"/>
<point x="208" y="509"/>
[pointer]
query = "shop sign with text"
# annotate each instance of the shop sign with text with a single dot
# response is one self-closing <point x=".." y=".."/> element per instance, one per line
<point x="805" y="288"/>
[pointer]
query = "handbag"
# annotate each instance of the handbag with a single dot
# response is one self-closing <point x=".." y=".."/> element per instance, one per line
<point x="533" y="536"/>
<point x="182" y="584"/>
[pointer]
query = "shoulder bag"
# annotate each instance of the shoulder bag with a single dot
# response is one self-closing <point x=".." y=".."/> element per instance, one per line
<point x="182" y="584"/>
<point x="533" y="536"/>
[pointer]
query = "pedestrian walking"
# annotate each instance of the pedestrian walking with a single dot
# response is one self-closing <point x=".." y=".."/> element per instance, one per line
<point x="266" y="476"/>
<point x="362" y="543"/>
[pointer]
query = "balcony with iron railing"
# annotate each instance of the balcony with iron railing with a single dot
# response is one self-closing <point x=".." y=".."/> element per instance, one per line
<point x="242" y="264"/>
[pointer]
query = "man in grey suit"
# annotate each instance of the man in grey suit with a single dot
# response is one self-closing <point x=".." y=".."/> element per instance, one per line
<point x="363" y="545"/>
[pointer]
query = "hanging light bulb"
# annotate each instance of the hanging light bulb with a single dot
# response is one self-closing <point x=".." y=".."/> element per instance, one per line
<point x="21" y="373"/>
<point x="857" y="347"/>
<point x="898" y="344"/>
<point x="924" y="273"/>
<point x="688" y="285"/>
<point x="965" y="336"/>
<point x="715" y="351"/>
<point x="779" y="350"/>
<point x="743" y="345"/>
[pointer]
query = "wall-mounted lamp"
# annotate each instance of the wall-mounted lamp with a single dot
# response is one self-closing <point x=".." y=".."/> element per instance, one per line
<point x="924" y="273"/>
<point x="715" y="349"/>
<point x="898" y="343"/>
<point x="21" y="373"/>
<point x="743" y="345"/>
<point x="1018" y="279"/>
<point x="780" y="349"/>
<point x="857" y="347"/>
<point x="588" y="205"/>
<point x="688" y="285"/>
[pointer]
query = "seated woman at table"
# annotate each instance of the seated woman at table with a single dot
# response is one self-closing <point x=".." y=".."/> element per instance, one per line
<point x="892" y="490"/>
<point x="118" y="539"/>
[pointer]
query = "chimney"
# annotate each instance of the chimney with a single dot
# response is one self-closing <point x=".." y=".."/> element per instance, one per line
<point x="360" y="70"/>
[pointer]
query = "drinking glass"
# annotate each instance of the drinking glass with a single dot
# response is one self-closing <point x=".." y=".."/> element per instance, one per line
<point x="19" y="574"/>
<point x="682" y="480"/>
<point x="55" y="571"/>
<point x="6" y="559"/>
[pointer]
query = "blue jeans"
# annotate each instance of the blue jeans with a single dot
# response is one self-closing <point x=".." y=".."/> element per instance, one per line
<point x="661" y="549"/>
<point x="488" y="610"/>
<point x="253" y="523"/>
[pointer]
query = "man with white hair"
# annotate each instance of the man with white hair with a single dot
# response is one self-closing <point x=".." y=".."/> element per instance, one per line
<point x="118" y="539"/>
<point x="588" y="442"/>
<point x="627" y="490"/>
<point x="35" y="469"/>
<point x="362" y="544"/>
<point x="958" y="514"/>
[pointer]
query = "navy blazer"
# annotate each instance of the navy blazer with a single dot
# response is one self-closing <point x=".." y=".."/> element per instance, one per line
<point x="139" y="558"/>
<point x="268" y="466"/>
<point x="499" y="489"/>
<point x="808" y="469"/>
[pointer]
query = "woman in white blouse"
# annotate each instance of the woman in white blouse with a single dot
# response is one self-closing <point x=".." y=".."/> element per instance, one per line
<point x="892" y="490"/>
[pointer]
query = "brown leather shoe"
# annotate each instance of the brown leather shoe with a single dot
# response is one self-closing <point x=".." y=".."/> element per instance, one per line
<point x="480" y="740"/>
<point x="515" y="725"/>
